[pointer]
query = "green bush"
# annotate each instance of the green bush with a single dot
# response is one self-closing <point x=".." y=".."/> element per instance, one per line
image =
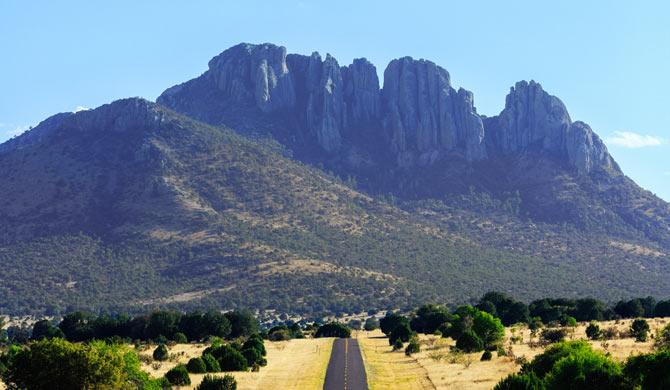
<point x="230" y="358"/>
<point x="662" y="340"/>
<point x="255" y="342"/>
<point x="469" y="342"/>
<point x="371" y="324"/>
<point x="180" y="338"/>
<point x="253" y="357"/>
<point x="401" y="332"/>
<point x="391" y="321"/>
<point x="211" y="363"/>
<point x="544" y="362"/>
<point x="593" y="331"/>
<point x="333" y="329"/>
<point x="640" y="329"/>
<point x="525" y="381"/>
<point x="397" y="345"/>
<point x="178" y="376"/>
<point x="209" y="382"/>
<point x="486" y="356"/>
<point x="161" y="353"/>
<point x="196" y="365"/>
<point x="585" y="370"/>
<point x="413" y="347"/>
<point x="649" y="372"/>
<point x="550" y="336"/>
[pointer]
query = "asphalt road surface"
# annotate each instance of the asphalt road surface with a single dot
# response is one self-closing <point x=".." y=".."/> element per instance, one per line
<point x="346" y="370"/>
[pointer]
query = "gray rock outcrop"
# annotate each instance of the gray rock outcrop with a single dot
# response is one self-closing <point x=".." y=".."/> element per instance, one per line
<point x="424" y="115"/>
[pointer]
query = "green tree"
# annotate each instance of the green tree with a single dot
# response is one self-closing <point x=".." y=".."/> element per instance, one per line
<point x="209" y="382"/>
<point x="593" y="331"/>
<point x="211" y="363"/>
<point x="585" y="370"/>
<point x="77" y="326"/>
<point x="161" y="353"/>
<point x="640" y="329"/>
<point x="371" y="324"/>
<point x="178" y="376"/>
<point x="71" y="366"/>
<point x="649" y="372"/>
<point x="401" y="332"/>
<point x="45" y="330"/>
<point x="196" y="365"/>
<point x="428" y="318"/>
<point x="468" y="341"/>
<point x="230" y="358"/>
<point x="333" y="329"/>
<point x="523" y="381"/>
<point x="390" y="321"/>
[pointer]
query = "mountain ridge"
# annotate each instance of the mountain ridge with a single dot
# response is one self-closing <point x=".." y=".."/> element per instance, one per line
<point x="226" y="198"/>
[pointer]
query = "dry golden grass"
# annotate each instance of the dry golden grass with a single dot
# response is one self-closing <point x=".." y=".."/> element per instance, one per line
<point x="436" y="366"/>
<point x="294" y="364"/>
<point x="390" y="370"/>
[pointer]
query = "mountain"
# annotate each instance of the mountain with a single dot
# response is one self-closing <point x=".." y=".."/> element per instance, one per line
<point x="286" y="182"/>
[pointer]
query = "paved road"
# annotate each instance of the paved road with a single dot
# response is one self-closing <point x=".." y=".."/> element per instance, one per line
<point x="346" y="370"/>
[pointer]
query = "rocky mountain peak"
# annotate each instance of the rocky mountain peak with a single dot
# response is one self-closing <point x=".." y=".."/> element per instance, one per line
<point x="418" y="117"/>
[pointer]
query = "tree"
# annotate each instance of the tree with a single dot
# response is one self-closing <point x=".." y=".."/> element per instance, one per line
<point x="629" y="309"/>
<point x="77" y="326"/>
<point x="428" y="318"/>
<point x="161" y="353"/>
<point x="71" y="366"/>
<point x="255" y="342"/>
<point x="333" y="329"/>
<point x="489" y="329"/>
<point x="242" y="323"/>
<point x="230" y="358"/>
<point x="507" y="309"/>
<point x="662" y="309"/>
<point x="180" y="338"/>
<point x="217" y="324"/>
<point x="178" y="376"/>
<point x="468" y="342"/>
<point x="589" y="309"/>
<point x="401" y="332"/>
<point x="524" y="381"/>
<point x="486" y="356"/>
<point x="593" y="331"/>
<point x="45" y="330"/>
<point x="553" y="335"/>
<point x="371" y="324"/>
<point x="585" y="370"/>
<point x="639" y="329"/>
<point x="162" y="323"/>
<point x="196" y="365"/>
<point x="543" y="363"/>
<point x="209" y="382"/>
<point x="211" y="363"/>
<point x="648" y="371"/>
<point x="390" y="321"/>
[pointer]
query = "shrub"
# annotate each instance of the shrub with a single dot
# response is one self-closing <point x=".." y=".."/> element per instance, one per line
<point x="525" y="381"/>
<point x="209" y="382"/>
<point x="401" y="332"/>
<point x="486" y="356"/>
<point x="469" y="342"/>
<point x="569" y="321"/>
<point x="161" y="353"/>
<point x="397" y="345"/>
<point x="610" y="333"/>
<point x="242" y="323"/>
<point x="71" y="366"/>
<point x="371" y="324"/>
<point x="662" y="340"/>
<point x="544" y="362"/>
<point x="333" y="329"/>
<point x="550" y="336"/>
<point x="639" y="329"/>
<point x="178" y="376"/>
<point x="391" y="321"/>
<point x="45" y="330"/>
<point x="196" y="365"/>
<point x="585" y="369"/>
<point x="253" y="357"/>
<point x="230" y="358"/>
<point x="593" y="331"/>
<point x="428" y="318"/>
<point x="211" y="363"/>
<point x="180" y="338"/>
<point x="413" y="346"/>
<point x="279" y="335"/>
<point x="649" y="371"/>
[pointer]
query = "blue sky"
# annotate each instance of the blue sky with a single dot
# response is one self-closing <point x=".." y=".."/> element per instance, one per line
<point x="609" y="61"/>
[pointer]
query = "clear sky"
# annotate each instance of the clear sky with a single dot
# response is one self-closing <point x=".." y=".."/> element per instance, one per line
<point x="609" y="61"/>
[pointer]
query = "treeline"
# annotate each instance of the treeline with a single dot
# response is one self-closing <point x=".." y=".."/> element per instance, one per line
<point x="158" y="326"/>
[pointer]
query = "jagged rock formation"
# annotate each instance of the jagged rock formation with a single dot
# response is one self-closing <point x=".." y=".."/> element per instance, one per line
<point x="418" y="117"/>
<point x="424" y="115"/>
<point x="533" y="119"/>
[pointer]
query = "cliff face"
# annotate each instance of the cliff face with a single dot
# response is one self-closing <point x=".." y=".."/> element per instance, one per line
<point x="418" y="117"/>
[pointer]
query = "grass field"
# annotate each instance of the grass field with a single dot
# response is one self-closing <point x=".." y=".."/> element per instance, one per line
<point x="294" y="364"/>
<point x="437" y="367"/>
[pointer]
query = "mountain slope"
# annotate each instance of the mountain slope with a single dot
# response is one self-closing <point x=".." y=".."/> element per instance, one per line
<point x="133" y="204"/>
